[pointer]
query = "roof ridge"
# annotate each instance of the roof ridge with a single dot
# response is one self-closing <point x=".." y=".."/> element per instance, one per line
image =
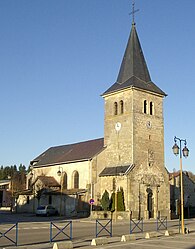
<point x="81" y="142"/>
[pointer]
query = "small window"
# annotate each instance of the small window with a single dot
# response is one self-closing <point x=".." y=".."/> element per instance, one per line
<point x="151" y="108"/>
<point x="121" y="107"/>
<point x="65" y="181"/>
<point x="115" y="108"/>
<point x="145" y="106"/>
<point x="50" y="199"/>
<point x="75" y="179"/>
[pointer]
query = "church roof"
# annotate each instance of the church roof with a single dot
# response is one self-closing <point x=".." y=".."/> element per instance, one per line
<point x="133" y="71"/>
<point x="69" y="153"/>
<point x="116" y="171"/>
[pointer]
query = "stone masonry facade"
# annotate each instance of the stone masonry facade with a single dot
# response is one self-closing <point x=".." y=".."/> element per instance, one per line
<point x="139" y="142"/>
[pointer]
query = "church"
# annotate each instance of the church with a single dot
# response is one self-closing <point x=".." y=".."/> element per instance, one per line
<point x="130" y="156"/>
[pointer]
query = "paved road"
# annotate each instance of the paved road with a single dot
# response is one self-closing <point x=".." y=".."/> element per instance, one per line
<point x="34" y="232"/>
<point x="173" y="242"/>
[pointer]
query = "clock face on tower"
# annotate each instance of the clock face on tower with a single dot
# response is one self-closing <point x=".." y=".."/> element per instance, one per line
<point x="118" y="126"/>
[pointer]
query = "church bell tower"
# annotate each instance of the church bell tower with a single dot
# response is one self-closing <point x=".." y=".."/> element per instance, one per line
<point x="133" y="122"/>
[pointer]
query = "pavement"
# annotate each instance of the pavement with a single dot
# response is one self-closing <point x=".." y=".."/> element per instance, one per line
<point x="76" y="244"/>
<point x="35" y="246"/>
<point x="114" y="242"/>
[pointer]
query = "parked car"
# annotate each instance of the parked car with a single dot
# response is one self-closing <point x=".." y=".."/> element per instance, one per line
<point x="46" y="210"/>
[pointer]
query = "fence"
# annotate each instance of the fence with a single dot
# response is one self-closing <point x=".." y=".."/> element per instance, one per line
<point x="139" y="224"/>
<point x="5" y="235"/>
<point x="104" y="225"/>
<point x="61" y="231"/>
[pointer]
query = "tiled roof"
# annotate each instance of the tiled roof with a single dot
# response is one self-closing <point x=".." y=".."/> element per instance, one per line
<point x="177" y="173"/>
<point x="174" y="174"/>
<point x="116" y="171"/>
<point x="48" y="181"/>
<point x="69" y="153"/>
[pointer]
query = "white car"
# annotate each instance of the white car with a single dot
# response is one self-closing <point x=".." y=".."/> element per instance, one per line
<point x="46" y="210"/>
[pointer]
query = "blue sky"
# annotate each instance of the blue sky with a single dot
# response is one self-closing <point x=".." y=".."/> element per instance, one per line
<point x="57" y="57"/>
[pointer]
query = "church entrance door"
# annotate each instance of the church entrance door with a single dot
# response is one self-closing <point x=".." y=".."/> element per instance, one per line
<point x="150" y="203"/>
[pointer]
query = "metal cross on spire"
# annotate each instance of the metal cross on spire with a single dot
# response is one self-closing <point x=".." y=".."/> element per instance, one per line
<point x="133" y="11"/>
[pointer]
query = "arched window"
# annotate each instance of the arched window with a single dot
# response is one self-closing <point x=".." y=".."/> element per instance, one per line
<point x="115" y="108"/>
<point x="151" y="108"/>
<point x="75" y="179"/>
<point x="121" y="107"/>
<point x="65" y="182"/>
<point x="145" y="106"/>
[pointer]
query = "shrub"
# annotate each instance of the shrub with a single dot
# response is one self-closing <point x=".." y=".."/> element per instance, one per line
<point x="112" y="202"/>
<point x="120" y="200"/>
<point x="105" y="202"/>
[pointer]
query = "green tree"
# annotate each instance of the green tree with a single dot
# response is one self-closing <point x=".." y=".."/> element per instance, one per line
<point x="105" y="202"/>
<point x="16" y="175"/>
<point x="7" y="172"/>
<point x="1" y="172"/>
<point x="22" y="168"/>
<point x="120" y="200"/>
<point x="112" y="202"/>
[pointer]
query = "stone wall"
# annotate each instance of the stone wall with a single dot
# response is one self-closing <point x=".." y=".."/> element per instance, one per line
<point x="109" y="215"/>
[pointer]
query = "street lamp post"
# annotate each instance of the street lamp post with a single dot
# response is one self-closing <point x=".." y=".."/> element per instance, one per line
<point x="60" y="173"/>
<point x="178" y="151"/>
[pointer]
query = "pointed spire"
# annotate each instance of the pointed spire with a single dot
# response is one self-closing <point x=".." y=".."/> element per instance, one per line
<point x="133" y="72"/>
<point x="133" y="63"/>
